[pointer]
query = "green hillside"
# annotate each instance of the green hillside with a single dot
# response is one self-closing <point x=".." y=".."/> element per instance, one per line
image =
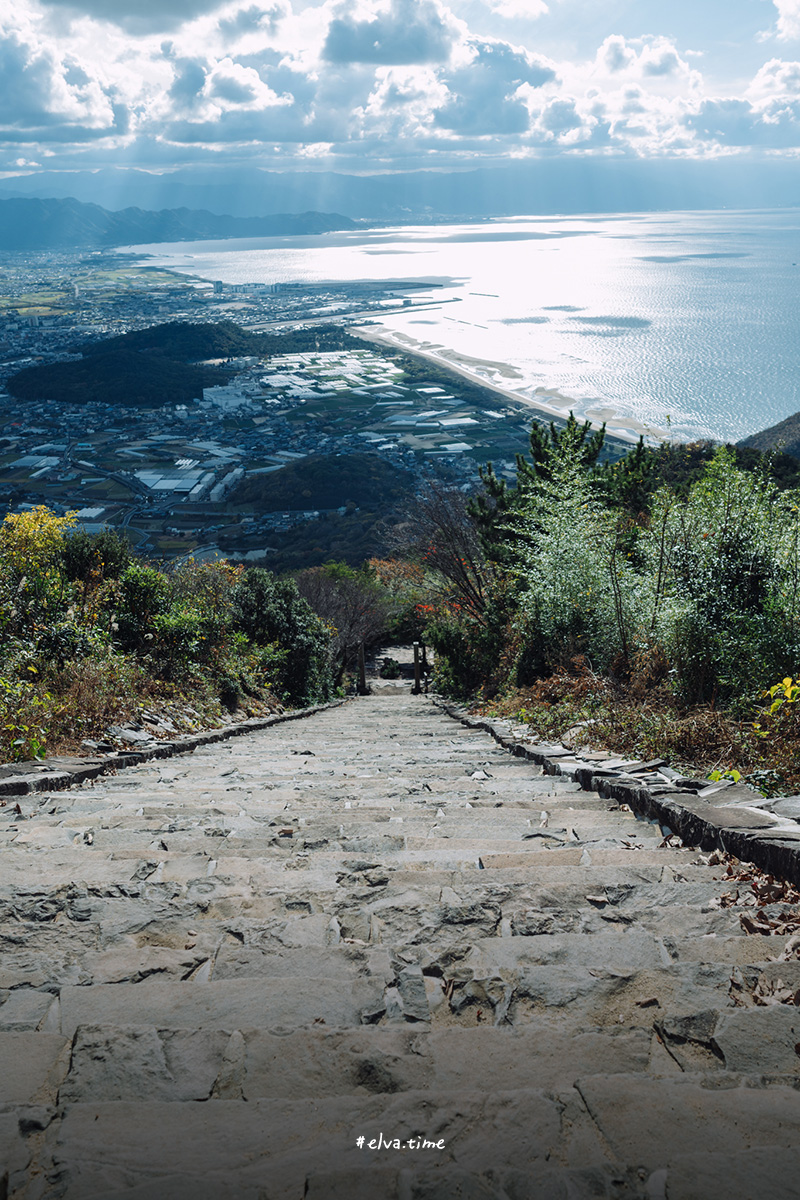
<point x="327" y="481"/>
<point x="187" y="342"/>
<point x="785" y="436"/>
<point x="116" y="377"/>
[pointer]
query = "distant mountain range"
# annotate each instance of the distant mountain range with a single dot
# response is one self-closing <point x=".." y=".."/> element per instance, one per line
<point x="559" y="184"/>
<point x="51" y="224"/>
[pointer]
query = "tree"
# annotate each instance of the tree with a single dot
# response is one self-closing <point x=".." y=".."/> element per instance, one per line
<point x="32" y="541"/>
<point x="92" y="558"/>
<point x="271" y="611"/>
<point x="494" y="510"/>
<point x="352" y="603"/>
<point x="441" y="535"/>
<point x="32" y="589"/>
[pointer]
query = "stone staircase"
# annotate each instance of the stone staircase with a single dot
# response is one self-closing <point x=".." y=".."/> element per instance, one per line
<point x="217" y="971"/>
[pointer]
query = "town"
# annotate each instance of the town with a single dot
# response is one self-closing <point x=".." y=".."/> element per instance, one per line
<point x="182" y="477"/>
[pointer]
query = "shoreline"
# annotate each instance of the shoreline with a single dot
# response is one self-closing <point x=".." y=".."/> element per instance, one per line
<point x="547" y="401"/>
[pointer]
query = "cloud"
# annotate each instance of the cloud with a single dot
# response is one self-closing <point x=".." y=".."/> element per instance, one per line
<point x="776" y="78"/>
<point x="238" y="86"/>
<point x="738" y="123"/>
<point x="366" y="84"/>
<point x="661" y="59"/>
<point x="568" y="122"/>
<point x="407" y="31"/>
<point x="46" y="94"/>
<point x="189" y="81"/>
<point x="615" y="55"/>
<point x="645" y="58"/>
<point x="488" y="95"/>
<point x="254" y="19"/>
<point x="518" y="10"/>
<point x="137" y="16"/>
<point x="788" y="19"/>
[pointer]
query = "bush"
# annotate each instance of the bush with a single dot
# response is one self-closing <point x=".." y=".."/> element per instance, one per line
<point x="725" y="577"/>
<point x="271" y="612"/>
<point x="33" y="590"/>
<point x="143" y="596"/>
<point x="90" y="559"/>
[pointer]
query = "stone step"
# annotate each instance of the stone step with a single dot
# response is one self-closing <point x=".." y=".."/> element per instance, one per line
<point x="218" y="970"/>
<point x="689" y="1177"/>
<point x="265" y="1003"/>
<point x="138" y="1062"/>
<point x="260" y="835"/>
<point x="106" y="1148"/>
<point x="585" y="856"/>
<point x="32" y="1066"/>
<point x="630" y="949"/>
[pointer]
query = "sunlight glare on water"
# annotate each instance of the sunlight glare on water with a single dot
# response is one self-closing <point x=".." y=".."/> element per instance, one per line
<point x="689" y="319"/>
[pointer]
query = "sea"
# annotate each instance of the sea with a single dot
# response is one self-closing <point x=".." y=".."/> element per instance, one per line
<point x="684" y="324"/>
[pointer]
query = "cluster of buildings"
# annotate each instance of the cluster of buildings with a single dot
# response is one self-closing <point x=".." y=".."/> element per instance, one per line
<point x="169" y="475"/>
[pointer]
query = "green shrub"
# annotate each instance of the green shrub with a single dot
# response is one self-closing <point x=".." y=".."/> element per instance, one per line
<point x="270" y="611"/>
<point x="89" y="559"/>
<point x="143" y="595"/>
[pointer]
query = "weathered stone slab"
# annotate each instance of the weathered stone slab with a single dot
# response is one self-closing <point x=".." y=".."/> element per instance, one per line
<point x="747" y="1175"/>
<point x="14" y="1154"/>
<point x="31" y="1066"/>
<point x="634" y="1113"/>
<point x="139" y="1062"/>
<point x="100" y="1147"/>
<point x="226" y="1004"/>
<point x="751" y="1041"/>
<point x="27" y="1009"/>
<point x="630" y="950"/>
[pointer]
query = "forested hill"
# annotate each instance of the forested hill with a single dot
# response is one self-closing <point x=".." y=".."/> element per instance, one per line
<point x="151" y="367"/>
<point x="33" y="224"/>
<point x="185" y="341"/>
<point x="785" y="437"/>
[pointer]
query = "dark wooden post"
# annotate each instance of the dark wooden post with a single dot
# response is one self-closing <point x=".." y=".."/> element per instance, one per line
<point x="362" y="672"/>
<point x="417" y="686"/>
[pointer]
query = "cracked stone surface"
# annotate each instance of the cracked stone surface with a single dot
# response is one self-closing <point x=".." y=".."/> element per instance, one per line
<point x="218" y="970"/>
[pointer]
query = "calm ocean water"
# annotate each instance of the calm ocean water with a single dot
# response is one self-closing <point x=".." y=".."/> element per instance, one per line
<point x="688" y="321"/>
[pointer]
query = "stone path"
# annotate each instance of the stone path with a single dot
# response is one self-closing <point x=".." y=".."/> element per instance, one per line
<point x="218" y="970"/>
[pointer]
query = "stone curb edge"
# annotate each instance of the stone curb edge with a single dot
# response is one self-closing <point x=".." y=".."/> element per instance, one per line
<point x="714" y="821"/>
<point x="20" y="780"/>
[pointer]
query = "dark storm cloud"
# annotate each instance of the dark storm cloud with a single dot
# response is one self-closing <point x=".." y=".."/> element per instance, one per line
<point x="411" y="31"/>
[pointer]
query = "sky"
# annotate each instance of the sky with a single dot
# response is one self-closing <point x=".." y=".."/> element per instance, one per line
<point x="383" y="85"/>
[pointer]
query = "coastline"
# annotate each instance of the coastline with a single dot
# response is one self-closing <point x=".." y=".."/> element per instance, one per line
<point x="549" y="402"/>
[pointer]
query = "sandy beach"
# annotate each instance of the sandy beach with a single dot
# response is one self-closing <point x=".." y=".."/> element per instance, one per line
<point x="501" y="378"/>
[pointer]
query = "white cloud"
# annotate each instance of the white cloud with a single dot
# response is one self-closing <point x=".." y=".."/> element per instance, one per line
<point x="788" y="18"/>
<point x="655" y="60"/>
<point x="137" y="16"/>
<point x="50" y="94"/>
<point x="615" y="55"/>
<point x="400" y="82"/>
<point x="404" y="31"/>
<point x="776" y="78"/>
<point x="485" y="94"/>
<point x="253" y="20"/>
<point x="518" y="10"/>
